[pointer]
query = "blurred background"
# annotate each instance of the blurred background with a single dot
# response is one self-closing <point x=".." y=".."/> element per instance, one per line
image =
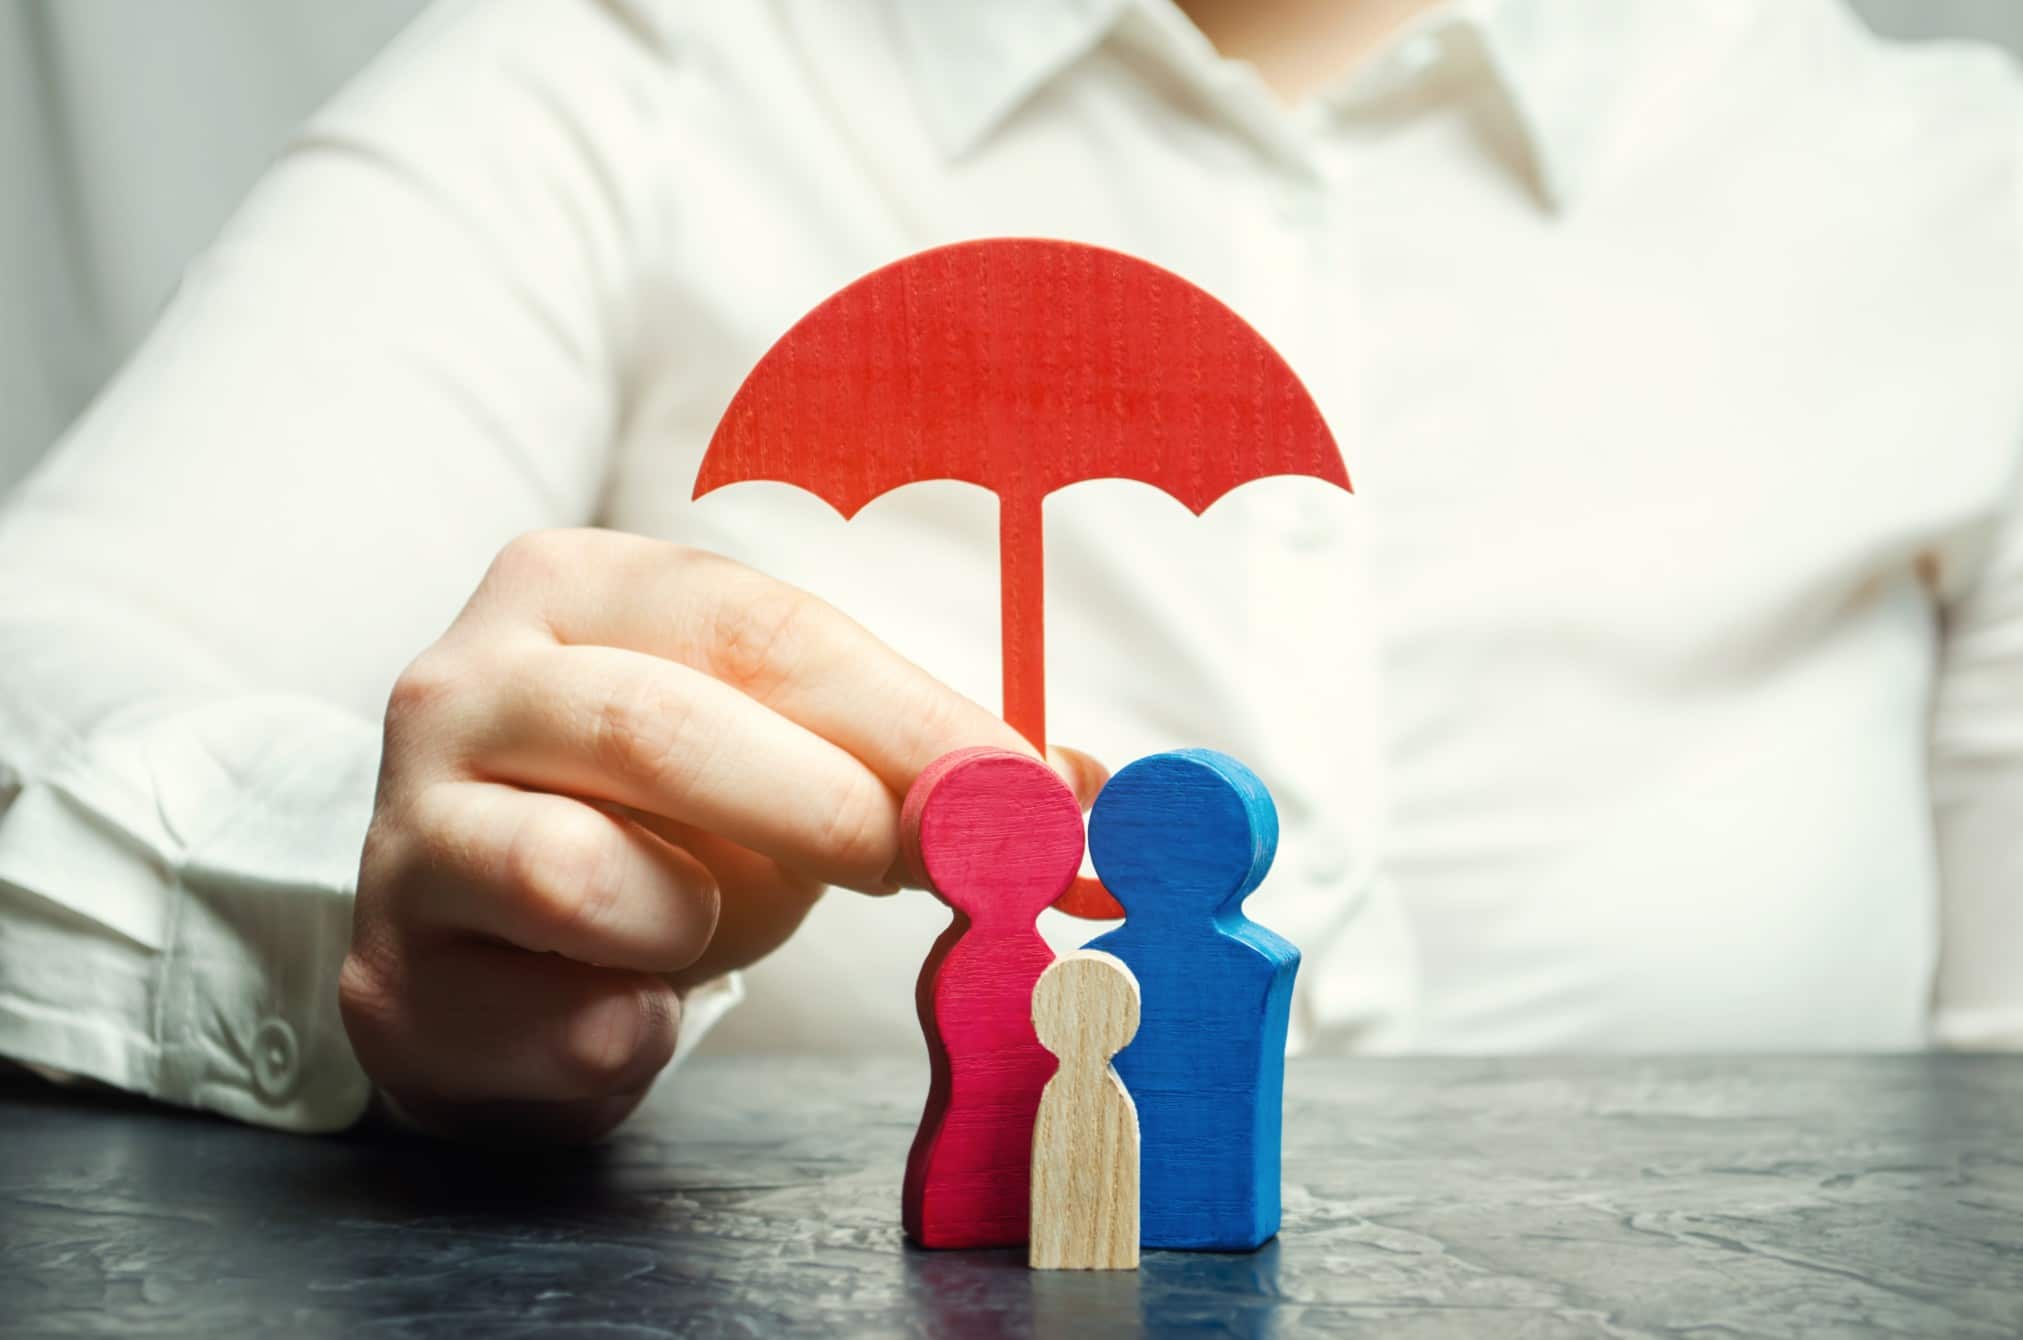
<point x="129" y="128"/>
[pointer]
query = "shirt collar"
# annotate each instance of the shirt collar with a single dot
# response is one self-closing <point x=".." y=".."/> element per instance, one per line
<point x="1562" y="67"/>
<point x="976" y="61"/>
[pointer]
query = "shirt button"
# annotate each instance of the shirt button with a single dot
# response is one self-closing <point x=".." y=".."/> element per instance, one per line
<point x="276" y="1060"/>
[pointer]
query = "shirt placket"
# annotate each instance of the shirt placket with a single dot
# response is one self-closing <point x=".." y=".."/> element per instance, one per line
<point x="1304" y="620"/>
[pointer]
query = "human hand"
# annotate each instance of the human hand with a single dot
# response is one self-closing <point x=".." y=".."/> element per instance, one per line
<point x="628" y="767"/>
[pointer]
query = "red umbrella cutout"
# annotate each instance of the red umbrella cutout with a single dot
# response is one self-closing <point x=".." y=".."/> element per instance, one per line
<point x="1022" y="365"/>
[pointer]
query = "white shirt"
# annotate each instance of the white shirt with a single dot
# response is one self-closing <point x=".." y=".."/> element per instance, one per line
<point x="1660" y="688"/>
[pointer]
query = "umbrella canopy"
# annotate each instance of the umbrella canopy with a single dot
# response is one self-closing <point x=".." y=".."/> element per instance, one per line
<point x="1022" y="365"/>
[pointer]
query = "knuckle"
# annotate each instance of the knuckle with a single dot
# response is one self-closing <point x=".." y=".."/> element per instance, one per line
<point x="640" y="729"/>
<point x="687" y="556"/>
<point x="859" y="832"/>
<point x="426" y="683"/>
<point x="940" y="716"/>
<point x="601" y="1052"/>
<point x="378" y="863"/>
<point x="412" y="838"/>
<point x="536" y="555"/>
<point x="563" y="868"/>
<point x="530" y="578"/>
<point x="760" y="637"/>
<point x="366" y="1000"/>
<point x="621" y="1041"/>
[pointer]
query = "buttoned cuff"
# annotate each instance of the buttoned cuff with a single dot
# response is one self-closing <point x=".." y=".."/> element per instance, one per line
<point x="175" y="902"/>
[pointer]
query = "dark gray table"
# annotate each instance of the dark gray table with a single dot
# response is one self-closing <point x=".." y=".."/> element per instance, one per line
<point x="1507" y="1198"/>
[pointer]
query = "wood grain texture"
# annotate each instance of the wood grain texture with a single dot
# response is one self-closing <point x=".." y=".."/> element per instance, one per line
<point x="1182" y="839"/>
<point x="1021" y="365"/>
<point x="999" y="836"/>
<point x="1085" y="1137"/>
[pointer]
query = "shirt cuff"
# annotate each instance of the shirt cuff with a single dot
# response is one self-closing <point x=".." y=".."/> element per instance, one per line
<point x="701" y="1008"/>
<point x="175" y="903"/>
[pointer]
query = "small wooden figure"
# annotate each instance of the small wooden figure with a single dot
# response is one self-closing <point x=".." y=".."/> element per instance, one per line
<point x="1000" y="837"/>
<point x="1182" y="839"/>
<point x="1085" y="1139"/>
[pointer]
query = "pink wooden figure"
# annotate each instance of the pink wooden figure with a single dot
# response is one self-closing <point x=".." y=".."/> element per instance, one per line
<point x="1000" y="838"/>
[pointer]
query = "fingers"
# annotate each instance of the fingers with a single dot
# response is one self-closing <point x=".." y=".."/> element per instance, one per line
<point x="767" y="901"/>
<point x="669" y="740"/>
<point x="486" y="1023"/>
<point x="772" y="642"/>
<point x="614" y="733"/>
<point x="516" y="1123"/>
<point x="683" y="685"/>
<point x="662" y="738"/>
<point x="552" y="874"/>
<point x="814" y="665"/>
<point x="1082" y="773"/>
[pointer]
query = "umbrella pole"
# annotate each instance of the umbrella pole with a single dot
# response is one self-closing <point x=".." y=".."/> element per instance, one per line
<point x="1022" y="583"/>
<point x="1022" y="579"/>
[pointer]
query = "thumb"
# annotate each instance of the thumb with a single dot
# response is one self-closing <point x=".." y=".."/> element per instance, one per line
<point x="1084" y="775"/>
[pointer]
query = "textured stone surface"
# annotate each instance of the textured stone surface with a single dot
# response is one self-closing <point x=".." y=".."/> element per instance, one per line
<point x="1771" y="1197"/>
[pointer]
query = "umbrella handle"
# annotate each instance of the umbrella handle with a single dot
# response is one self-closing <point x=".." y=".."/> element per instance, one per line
<point x="1022" y="587"/>
<point x="1087" y="898"/>
<point x="1022" y="602"/>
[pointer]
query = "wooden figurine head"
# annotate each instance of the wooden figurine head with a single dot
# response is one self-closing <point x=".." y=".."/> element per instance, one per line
<point x="1187" y="835"/>
<point x="1085" y="1007"/>
<point x="999" y="834"/>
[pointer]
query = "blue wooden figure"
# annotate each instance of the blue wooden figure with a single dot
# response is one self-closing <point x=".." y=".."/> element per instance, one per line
<point x="1182" y="839"/>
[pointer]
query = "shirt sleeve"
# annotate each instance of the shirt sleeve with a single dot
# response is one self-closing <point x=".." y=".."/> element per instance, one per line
<point x="407" y="347"/>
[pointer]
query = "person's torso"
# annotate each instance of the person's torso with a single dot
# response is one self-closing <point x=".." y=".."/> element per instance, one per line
<point x="1596" y="719"/>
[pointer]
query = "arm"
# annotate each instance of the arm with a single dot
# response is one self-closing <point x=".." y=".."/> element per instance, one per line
<point x="402" y="352"/>
<point x="626" y="769"/>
